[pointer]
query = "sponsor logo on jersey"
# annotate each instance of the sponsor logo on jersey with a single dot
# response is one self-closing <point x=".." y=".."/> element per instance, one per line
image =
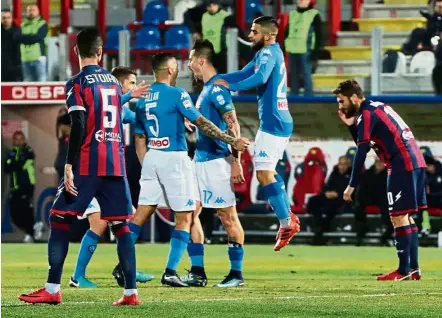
<point x="282" y="104"/>
<point x="185" y="95"/>
<point x="263" y="154"/>
<point x="187" y="103"/>
<point x="216" y="89"/>
<point x="220" y="200"/>
<point x="221" y="100"/>
<point x="159" y="143"/>
<point x="101" y="136"/>
<point x="407" y="134"/>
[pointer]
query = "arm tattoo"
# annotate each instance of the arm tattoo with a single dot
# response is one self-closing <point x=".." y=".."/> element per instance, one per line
<point x="233" y="130"/>
<point x="210" y="129"/>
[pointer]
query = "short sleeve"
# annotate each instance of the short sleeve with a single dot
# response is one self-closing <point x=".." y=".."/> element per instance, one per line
<point x="74" y="101"/>
<point x="222" y="99"/>
<point x="139" y="126"/>
<point x="365" y="123"/>
<point x="186" y="107"/>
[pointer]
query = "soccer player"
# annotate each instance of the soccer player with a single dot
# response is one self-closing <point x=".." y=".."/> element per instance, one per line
<point x="267" y="73"/>
<point x="127" y="78"/>
<point x="374" y="125"/>
<point x="167" y="170"/>
<point x="216" y="168"/>
<point x="94" y="168"/>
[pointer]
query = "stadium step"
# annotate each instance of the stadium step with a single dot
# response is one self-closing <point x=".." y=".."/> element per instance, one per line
<point x="399" y="2"/>
<point x="392" y="11"/>
<point x="391" y="25"/>
<point x="330" y="81"/>
<point x="343" y="67"/>
<point x="355" y="52"/>
<point x="364" y="38"/>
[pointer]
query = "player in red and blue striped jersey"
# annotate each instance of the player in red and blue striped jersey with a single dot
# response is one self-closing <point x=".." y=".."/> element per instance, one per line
<point x="375" y="125"/>
<point x="94" y="168"/>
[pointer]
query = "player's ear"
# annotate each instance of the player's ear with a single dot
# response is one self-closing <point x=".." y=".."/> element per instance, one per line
<point x="99" y="53"/>
<point x="76" y="50"/>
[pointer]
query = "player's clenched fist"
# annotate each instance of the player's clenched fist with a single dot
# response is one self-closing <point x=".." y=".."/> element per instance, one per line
<point x="241" y="144"/>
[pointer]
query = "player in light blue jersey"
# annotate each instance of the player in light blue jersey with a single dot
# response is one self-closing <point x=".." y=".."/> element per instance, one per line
<point x="161" y="146"/>
<point x="267" y="73"/>
<point x="97" y="226"/>
<point x="216" y="168"/>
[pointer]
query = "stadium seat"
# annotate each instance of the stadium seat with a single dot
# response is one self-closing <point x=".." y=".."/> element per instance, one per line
<point x="401" y="66"/>
<point x="148" y="38"/>
<point x="112" y="38"/>
<point x="372" y="209"/>
<point x="177" y="37"/>
<point x="310" y="178"/>
<point x="423" y="63"/>
<point x="253" y="7"/>
<point x="242" y="191"/>
<point x="155" y="12"/>
<point x="434" y="212"/>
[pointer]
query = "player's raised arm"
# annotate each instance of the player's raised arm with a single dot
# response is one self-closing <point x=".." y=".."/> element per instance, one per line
<point x="140" y="133"/>
<point x="235" y="77"/>
<point x="139" y="91"/>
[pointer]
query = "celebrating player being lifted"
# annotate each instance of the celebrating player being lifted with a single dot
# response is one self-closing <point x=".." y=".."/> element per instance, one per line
<point x="127" y="78"/>
<point x="94" y="168"/>
<point x="216" y="169"/>
<point x="374" y="125"/>
<point x="267" y="73"/>
<point x="167" y="170"/>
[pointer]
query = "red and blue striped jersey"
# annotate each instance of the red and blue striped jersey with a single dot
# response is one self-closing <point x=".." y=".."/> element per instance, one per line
<point x="389" y="136"/>
<point x="98" y="93"/>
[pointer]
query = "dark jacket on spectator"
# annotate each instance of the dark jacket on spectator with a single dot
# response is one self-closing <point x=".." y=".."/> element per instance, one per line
<point x="337" y="182"/>
<point x="11" y="57"/>
<point x="434" y="181"/>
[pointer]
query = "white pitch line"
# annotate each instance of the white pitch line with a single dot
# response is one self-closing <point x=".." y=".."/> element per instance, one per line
<point x="208" y="300"/>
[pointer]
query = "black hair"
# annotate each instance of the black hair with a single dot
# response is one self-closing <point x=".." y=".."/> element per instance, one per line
<point x="348" y="88"/>
<point x="88" y="42"/>
<point x="204" y="48"/>
<point x="160" y="60"/>
<point x="267" y="22"/>
<point x="6" y="10"/>
<point x="122" y="72"/>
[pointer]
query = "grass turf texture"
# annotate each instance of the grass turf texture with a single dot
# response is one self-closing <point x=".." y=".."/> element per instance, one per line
<point x="299" y="281"/>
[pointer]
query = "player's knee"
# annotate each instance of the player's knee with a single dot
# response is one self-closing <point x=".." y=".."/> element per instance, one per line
<point x="98" y="226"/>
<point x="265" y="177"/>
<point x="400" y="220"/>
<point x="60" y="222"/>
<point x="119" y="228"/>
<point x="183" y="219"/>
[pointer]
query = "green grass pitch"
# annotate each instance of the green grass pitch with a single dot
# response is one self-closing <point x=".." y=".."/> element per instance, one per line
<point x="299" y="281"/>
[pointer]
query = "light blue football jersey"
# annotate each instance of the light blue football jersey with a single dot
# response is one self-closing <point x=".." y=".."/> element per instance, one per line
<point x="213" y="102"/>
<point x="128" y="115"/>
<point x="267" y="73"/>
<point x="161" y="117"/>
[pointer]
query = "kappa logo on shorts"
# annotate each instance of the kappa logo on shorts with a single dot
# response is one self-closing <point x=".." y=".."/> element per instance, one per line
<point x="220" y="200"/>
<point x="190" y="202"/>
<point x="263" y="154"/>
<point x="90" y="206"/>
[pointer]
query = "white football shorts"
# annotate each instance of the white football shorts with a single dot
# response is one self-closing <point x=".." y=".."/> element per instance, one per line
<point x="269" y="149"/>
<point x="92" y="208"/>
<point x="214" y="185"/>
<point x="168" y="175"/>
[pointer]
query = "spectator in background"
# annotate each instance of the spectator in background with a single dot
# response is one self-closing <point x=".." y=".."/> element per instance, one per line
<point x="371" y="192"/>
<point x="63" y="130"/>
<point x="20" y="165"/>
<point x="214" y="29"/>
<point x="434" y="182"/>
<point x="34" y="31"/>
<point x="11" y="61"/>
<point x="303" y="40"/>
<point x="434" y="21"/>
<point x="437" y="70"/>
<point x="330" y="201"/>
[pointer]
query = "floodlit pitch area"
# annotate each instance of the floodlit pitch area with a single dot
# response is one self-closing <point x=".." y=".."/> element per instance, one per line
<point x="299" y="281"/>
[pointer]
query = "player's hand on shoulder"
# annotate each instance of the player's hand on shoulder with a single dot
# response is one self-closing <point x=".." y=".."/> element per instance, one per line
<point x="69" y="180"/>
<point x="221" y="82"/>
<point x="241" y="144"/>
<point x="348" y="121"/>
<point x="140" y="90"/>
<point x="237" y="175"/>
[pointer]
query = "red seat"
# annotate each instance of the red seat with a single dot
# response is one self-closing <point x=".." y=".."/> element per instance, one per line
<point x="372" y="209"/>
<point x="242" y="191"/>
<point x="435" y="212"/>
<point x="310" y="180"/>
